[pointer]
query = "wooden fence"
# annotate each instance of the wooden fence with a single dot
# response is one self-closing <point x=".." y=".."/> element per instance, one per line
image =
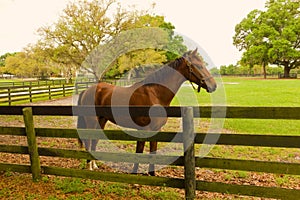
<point x="187" y="137"/>
<point x="17" y="94"/>
<point x="36" y="83"/>
<point x="291" y="75"/>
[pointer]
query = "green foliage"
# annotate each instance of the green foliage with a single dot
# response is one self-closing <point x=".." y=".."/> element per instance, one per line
<point x="3" y="58"/>
<point x="271" y="36"/>
<point x="120" y="189"/>
<point x="84" y="25"/>
<point x="247" y="70"/>
<point x="214" y="71"/>
<point x="24" y="64"/>
<point x="70" y="185"/>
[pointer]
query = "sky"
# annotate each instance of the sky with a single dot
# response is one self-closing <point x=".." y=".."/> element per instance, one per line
<point x="209" y="23"/>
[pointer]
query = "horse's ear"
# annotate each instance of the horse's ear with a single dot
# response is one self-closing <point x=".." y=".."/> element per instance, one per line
<point x="195" y="51"/>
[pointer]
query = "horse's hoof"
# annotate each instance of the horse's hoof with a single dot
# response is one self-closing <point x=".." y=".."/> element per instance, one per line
<point x="94" y="165"/>
<point x="152" y="173"/>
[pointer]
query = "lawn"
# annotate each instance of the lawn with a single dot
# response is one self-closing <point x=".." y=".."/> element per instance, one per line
<point x="235" y="91"/>
<point x="238" y="92"/>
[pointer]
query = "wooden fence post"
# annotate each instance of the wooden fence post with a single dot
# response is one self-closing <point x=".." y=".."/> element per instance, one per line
<point x="9" y="96"/>
<point x="76" y="88"/>
<point x="32" y="144"/>
<point x="30" y="94"/>
<point x="49" y="92"/>
<point x="189" y="153"/>
<point x="64" y="90"/>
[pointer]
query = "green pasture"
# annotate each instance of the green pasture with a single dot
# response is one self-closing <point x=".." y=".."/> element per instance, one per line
<point x="235" y="91"/>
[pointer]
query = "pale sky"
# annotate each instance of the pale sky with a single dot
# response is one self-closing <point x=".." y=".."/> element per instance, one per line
<point x="210" y="23"/>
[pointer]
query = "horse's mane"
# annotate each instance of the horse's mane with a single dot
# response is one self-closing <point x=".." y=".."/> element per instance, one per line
<point x="160" y="74"/>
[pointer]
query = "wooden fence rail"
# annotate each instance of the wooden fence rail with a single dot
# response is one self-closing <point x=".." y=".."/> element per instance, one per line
<point x="188" y="137"/>
<point x="37" y="83"/>
<point x="9" y="95"/>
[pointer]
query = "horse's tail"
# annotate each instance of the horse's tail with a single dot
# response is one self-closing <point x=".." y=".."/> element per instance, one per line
<point x="80" y="120"/>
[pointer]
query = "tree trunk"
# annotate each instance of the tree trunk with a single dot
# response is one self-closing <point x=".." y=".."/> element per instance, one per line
<point x="137" y="72"/>
<point x="287" y="71"/>
<point x="264" y="71"/>
<point x="97" y="78"/>
<point x="129" y="75"/>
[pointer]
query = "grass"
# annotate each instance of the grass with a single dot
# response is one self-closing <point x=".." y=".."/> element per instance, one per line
<point x="234" y="91"/>
<point x="245" y="92"/>
<point x="238" y="92"/>
<point x="58" y="188"/>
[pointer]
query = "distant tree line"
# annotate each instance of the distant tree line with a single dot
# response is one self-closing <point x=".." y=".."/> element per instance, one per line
<point x="256" y="70"/>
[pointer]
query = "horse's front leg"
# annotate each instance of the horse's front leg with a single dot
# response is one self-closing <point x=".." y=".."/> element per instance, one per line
<point x="139" y="149"/>
<point x="153" y="149"/>
<point x="92" y="163"/>
<point x="99" y="124"/>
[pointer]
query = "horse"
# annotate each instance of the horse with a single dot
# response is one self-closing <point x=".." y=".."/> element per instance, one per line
<point x="158" y="88"/>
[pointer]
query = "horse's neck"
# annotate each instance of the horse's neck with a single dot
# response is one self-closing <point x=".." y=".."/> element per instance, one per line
<point x="166" y="88"/>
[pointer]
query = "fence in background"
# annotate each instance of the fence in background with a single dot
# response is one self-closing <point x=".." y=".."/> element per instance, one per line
<point x="25" y="94"/>
<point x="36" y="83"/>
<point x="291" y="75"/>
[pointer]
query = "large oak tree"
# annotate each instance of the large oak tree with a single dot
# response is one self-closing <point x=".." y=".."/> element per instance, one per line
<point x="271" y="36"/>
<point x="84" y="25"/>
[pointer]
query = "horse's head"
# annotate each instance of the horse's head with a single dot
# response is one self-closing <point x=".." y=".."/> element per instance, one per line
<point x="196" y="72"/>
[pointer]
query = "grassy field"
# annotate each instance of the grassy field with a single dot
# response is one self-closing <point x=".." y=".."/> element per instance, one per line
<point x="234" y="91"/>
<point x="231" y="92"/>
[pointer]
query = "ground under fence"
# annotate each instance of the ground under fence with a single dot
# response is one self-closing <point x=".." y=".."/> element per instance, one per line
<point x="187" y="137"/>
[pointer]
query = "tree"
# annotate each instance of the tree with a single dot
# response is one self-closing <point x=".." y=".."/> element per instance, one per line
<point x="2" y="62"/>
<point x="28" y="63"/>
<point x="20" y="64"/>
<point x="3" y="58"/>
<point x="271" y="36"/>
<point x="165" y="46"/>
<point x="86" y="25"/>
<point x="136" y="60"/>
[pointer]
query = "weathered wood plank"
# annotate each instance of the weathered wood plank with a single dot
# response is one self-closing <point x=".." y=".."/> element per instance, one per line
<point x="115" y="177"/>
<point x="249" y="165"/>
<point x="64" y="153"/>
<point x="15" y="131"/>
<point x="224" y="139"/>
<point x="32" y="144"/>
<point x="189" y="153"/>
<point x="130" y="135"/>
<point x="218" y="163"/>
<point x="247" y="112"/>
<point x="251" y="140"/>
<point x="249" y="190"/>
<point x="110" y="134"/>
<point x="203" y="111"/>
<point x="15" y="168"/>
<point x="113" y="157"/>
<point x="14" y="149"/>
<point x="57" y="132"/>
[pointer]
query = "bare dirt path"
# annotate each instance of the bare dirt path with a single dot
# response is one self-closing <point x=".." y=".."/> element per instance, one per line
<point x="72" y="100"/>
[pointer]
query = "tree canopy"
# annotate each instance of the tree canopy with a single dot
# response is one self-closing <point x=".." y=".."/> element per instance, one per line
<point x="84" y="25"/>
<point x="271" y="36"/>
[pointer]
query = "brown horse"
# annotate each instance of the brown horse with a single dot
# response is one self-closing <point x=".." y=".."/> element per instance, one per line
<point x="158" y="88"/>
